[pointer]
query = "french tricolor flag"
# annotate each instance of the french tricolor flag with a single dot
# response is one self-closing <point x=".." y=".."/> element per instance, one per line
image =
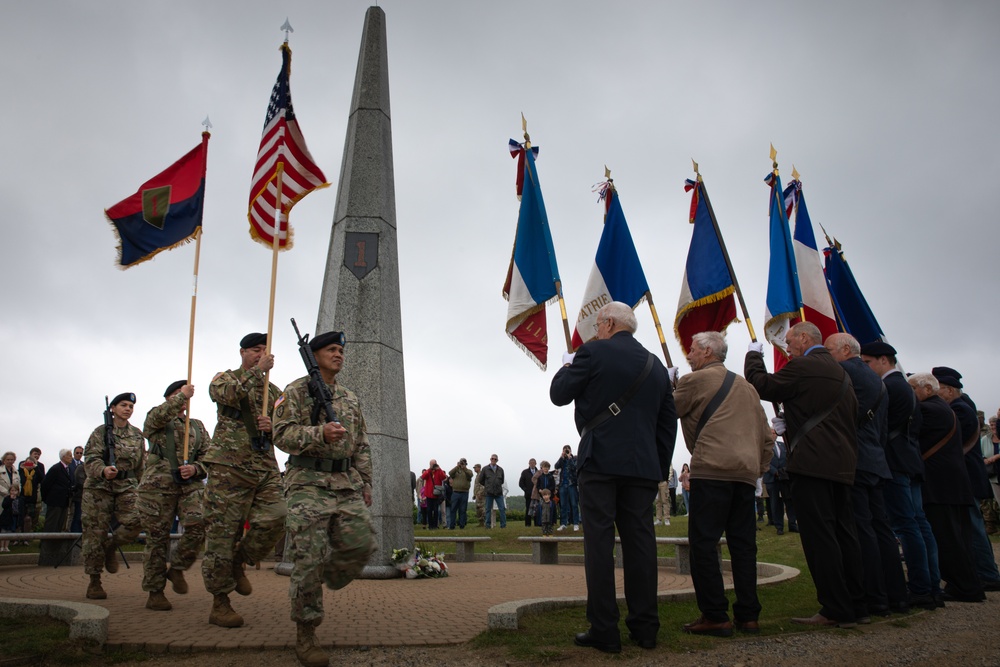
<point x="617" y="274"/>
<point x="533" y="273"/>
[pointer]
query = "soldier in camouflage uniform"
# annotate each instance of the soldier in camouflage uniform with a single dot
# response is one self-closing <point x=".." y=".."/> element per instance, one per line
<point x="479" y="494"/>
<point x="161" y="497"/>
<point x="328" y="488"/>
<point x="110" y="492"/>
<point x="243" y="480"/>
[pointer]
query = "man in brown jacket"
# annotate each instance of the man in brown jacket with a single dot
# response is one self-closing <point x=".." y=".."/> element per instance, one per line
<point x="730" y="441"/>
<point x="820" y="410"/>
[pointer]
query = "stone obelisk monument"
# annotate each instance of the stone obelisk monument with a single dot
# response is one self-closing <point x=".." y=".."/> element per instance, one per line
<point x="361" y="294"/>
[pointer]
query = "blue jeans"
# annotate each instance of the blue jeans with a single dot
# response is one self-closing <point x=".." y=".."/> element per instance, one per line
<point x="687" y="501"/>
<point x="459" y="508"/>
<point x="904" y="504"/>
<point x="489" y="510"/>
<point x="569" y="505"/>
<point x="981" y="550"/>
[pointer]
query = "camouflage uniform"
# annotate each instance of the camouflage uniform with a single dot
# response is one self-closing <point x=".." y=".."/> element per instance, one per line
<point x="328" y="525"/>
<point x="479" y="494"/>
<point x="161" y="498"/>
<point x="243" y="485"/>
<point x="103" y="498"/>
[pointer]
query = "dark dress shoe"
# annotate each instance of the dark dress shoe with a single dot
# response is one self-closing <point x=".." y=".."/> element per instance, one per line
<point x="823" y="621"/>
<point x="748" y="627"/>
<point x="781" y="531"/>
<point x="991" y="586"/>
<point x="923" y="601"/>
<point x="703" y="626"/>
<point x="585" y="639"/>
<point x="648" y="644"/>
<point x="793" y="530"/>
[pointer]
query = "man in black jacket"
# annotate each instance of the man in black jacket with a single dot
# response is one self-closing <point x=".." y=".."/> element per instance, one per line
<point x="820" y="411"/>
<point x="624" y="452"/>
<point x="526" y="482"/>
<point x="58" y="488"/>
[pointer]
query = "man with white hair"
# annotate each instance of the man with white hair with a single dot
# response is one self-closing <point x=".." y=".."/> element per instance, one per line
<point x="885" y="585"/>
<point x="820" y="411"/>
<point x="947" y="493"/>
<point x="58" y="487"/>
<point x="627" y="422"/>
<point x="730" y="441"/>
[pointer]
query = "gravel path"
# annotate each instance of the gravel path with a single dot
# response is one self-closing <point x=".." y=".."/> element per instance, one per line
<point x="959" y="635"/>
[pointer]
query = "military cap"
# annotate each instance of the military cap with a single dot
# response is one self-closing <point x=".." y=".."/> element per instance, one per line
<point x="126" y="396"/>
<point x="174" y="386"/>
<point x="326" y="339"/>
<point x="950" y="380"/>
<point x="253" y="340"/>
<point x="943" y="371"/>
<point x="878" y="349"/>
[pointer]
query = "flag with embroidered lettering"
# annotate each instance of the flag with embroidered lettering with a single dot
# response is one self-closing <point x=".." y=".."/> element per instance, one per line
<point x="783" y="295"/>
<point x="165" y="212"/>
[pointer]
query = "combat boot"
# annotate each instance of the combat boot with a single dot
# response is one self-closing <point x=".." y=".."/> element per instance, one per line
<point x="110" y="558"/>
<point x="158" y="602"/>
<point x="176" y="578"/>
<point x="307" y="650"/>
<point x="94" y="590"/>
<point x="223" y="614"/>
<point x="243" y="586"/>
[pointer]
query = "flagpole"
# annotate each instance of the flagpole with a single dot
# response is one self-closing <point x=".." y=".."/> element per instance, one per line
<point x="565" y="320"/>
<point x="781" y="205"/>
<point x="275" y="240"/>
<point x="659" y="328"/>
<point x="725" y="252"/>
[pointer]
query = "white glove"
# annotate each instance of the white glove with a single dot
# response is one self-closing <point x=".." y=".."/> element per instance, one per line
<point x="672" y="374"/>
<point x="568" y="357"/>
<point x="779" y="425"/>
<point x="756" y="346"/>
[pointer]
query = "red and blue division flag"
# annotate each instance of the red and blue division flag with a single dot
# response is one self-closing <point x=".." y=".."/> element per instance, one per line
<point x="816" y="301"/>
<point x="783" y="295"/>
<point x="617" y="274"/>
<point x="707" y="301"/>
<point x="533" y="273"/>
<point x="165" y="212"/>
<point x="281" y="142"/>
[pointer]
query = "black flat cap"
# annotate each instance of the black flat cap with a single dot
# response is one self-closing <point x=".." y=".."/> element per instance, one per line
<point x="253" y="340"/>
<point x="127" y="396"/>
<point x="328" y="338"/>
<point x="878" y="349"/>
<point x="950" y="380"/>
<point x="174" y="386"/>
<point x="942" y="371"/>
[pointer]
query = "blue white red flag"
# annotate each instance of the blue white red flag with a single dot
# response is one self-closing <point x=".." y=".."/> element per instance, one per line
<point x="617" y="274"/>
<point x="783" y="295"/>
<point x="852" y="307"/>
<point x="165" y="212"/>
<point x="707" y="301"/>
<point x="533" y="272"/>
<point x="816" y="302"/>
<point x="281" y="142"/>
<point x="517" y="153"/>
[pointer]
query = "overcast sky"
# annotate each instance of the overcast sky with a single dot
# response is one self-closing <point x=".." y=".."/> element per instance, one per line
<point x="888" y="110"/>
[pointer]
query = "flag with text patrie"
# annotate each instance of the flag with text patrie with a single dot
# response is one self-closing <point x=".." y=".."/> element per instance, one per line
<point x="707" y="301"/>
<point x="783" y="295"/>
<point x="617" y="274"/>
<point x="165" y="212"/>
<point x="533" y="272"/>
<point x="281" y="143"/>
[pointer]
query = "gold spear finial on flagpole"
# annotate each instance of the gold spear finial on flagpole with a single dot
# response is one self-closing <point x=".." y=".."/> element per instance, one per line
<point x="795" y="172"/>
<point x="774" y="160"/>
<point x="694" y="165"/>
<point x="524" y="128"/>
<point x="607" y="172"/>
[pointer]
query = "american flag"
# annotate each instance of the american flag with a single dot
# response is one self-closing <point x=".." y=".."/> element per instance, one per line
<point x="281" y="142"/>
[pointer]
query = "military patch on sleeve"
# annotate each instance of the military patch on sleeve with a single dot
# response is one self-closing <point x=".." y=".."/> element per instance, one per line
<point x="279" y="407"/>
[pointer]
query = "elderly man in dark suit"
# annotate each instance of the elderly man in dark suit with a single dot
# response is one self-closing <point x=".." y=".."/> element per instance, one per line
<point x="820" y="410"/>
<point x="58" y="487"/>
<point x="947" y="492"/>
<point x="627" y="421"/>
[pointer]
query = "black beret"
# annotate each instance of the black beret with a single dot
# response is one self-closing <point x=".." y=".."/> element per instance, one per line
<point x="950" y="381"/>
<point x="127" y="396"/>
<point x="943" y="371"/>
<point x="328" y="338"/>
<point x="174" y="386"/>
<point x="253" y="340"/>
<point x="878" y="349"/>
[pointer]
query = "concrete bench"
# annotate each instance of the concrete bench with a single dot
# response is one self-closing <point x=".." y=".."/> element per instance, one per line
<point x="53" y="546"/>
<point x="465" y="547"/>
<point x="545" y="550"/>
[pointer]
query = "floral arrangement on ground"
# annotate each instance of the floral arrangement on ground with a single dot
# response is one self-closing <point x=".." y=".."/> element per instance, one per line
<point x="419" y="563"/>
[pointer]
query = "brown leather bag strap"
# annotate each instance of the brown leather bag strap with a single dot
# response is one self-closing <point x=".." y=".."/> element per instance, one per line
<point x="933" y="450"/>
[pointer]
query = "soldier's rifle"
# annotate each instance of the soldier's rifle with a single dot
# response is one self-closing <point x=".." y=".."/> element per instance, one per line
<point x="109" y="435"/>
<point x="321" y="394"/>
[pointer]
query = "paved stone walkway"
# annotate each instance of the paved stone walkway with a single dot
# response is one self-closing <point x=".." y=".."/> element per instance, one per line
<point x="365" y="613"/>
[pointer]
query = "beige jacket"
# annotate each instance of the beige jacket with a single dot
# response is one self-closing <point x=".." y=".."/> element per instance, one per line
<point x="735" y="444"/>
